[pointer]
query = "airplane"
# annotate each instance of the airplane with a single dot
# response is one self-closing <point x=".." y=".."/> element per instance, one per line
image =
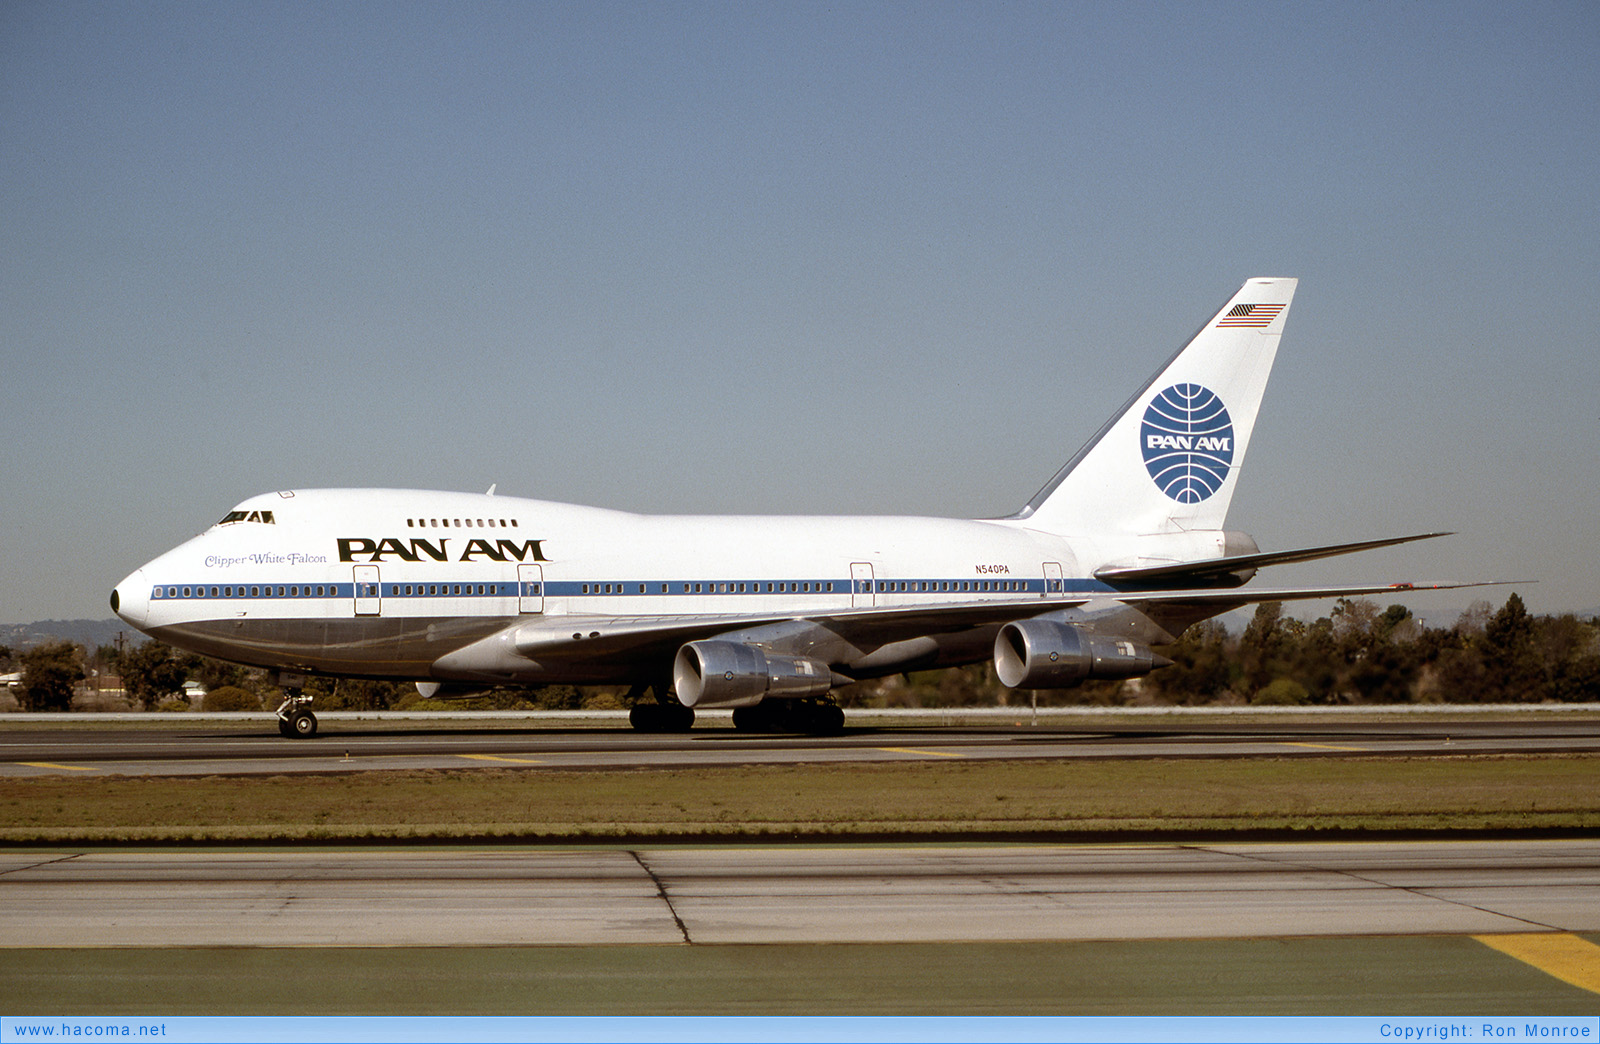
<point x="1120" y="552"/>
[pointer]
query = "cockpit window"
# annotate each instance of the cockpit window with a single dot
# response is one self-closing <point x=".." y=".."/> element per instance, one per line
<point x="247" y="516"/>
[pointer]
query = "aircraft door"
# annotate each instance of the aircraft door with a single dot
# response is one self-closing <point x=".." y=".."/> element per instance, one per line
<point x="861" y="594"/>
<point x="530" y="589"/>
<point x="1053" y="588"/>
<point x="368" y="591"/>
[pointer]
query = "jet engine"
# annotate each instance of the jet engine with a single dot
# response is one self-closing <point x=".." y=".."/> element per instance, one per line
<point x="1047" y="654"/>
<point x="432" y="690"/>
<point x="732" y="674"/>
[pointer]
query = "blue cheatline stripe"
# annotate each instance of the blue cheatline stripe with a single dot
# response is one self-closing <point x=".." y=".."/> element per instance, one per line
<point x="633" y="588"/>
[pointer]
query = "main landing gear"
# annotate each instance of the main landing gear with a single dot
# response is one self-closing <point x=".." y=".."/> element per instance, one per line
<point x="817" y="715"/>
<point x="295" y="719"/>
<point x="666" y="714"/>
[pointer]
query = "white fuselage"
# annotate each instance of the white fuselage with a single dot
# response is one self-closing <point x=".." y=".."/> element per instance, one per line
<point x="386" y="582"/>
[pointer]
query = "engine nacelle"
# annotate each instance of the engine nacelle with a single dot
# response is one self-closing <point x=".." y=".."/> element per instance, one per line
<point x="732" y="674"/>
<point x="432" y="690"/>
<point x="1046" y="654"/>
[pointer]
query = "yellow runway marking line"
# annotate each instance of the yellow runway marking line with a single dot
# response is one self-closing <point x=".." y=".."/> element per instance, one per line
<point x="926" y="753"/>
<point x="496" y="757"/>
<point x="53" y="765"/>
<point x="1322" y="746"/>
<point x="1565" y="956"/>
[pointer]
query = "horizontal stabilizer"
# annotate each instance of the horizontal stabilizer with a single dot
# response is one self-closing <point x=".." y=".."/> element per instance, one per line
<point x="1224" y="570"/>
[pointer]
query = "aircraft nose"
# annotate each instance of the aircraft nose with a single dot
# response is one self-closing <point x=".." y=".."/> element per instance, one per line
<point x="131" y="599"/>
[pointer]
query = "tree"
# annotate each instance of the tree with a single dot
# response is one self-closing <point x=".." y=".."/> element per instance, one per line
<point x="1353" y="618"/>
<point x="1201" y="668"/>
<point x="1261" y="647"/>
<point x="1282" y="692"/>
<point x="218" y="674"/>
<point x="153" y="672"/>
<point x="49" y="673"/>
<point x="1515" y="674"/>
<point x="230" y="698"/>
<point x="1474" y="620"/>
<point x="1386" y="626"/>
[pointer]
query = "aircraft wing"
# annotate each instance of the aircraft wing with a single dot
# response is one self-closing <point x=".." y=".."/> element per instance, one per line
<point x="1225" y="570"/>
<point x="655" y="639"/>
<point x="1179" y="609"/>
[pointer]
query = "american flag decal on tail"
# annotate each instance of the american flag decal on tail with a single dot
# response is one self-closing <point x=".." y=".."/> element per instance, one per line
<point x="1250" y="315"/>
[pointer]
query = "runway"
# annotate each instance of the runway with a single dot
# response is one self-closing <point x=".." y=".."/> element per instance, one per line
<point x="360" y="743"/>
<point x="861" y="894"/>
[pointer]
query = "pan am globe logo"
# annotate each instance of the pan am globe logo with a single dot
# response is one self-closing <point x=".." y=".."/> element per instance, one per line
<point x="1187" y="442"/>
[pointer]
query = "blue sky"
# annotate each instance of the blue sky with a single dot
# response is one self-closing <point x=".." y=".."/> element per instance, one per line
<point x="887" y="258"/>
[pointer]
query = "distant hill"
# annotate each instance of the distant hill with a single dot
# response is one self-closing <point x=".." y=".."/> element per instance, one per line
<point x="87" y="633"/>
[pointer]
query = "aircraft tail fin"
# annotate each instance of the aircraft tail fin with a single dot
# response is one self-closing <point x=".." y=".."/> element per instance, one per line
<point x="1168" y="461"/>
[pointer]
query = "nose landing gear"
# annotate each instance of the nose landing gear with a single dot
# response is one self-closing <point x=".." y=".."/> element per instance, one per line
<point x="295" y="719"/>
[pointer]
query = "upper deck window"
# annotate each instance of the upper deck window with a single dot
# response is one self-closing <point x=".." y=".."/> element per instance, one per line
<point x="247" y="516"/>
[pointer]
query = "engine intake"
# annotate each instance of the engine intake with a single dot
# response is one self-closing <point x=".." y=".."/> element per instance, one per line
<point x="732" y="674"/>
<point x="1047" y="654"/>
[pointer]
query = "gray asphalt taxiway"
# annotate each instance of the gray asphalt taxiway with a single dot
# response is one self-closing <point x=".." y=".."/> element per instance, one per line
<point x="353" y="743"/>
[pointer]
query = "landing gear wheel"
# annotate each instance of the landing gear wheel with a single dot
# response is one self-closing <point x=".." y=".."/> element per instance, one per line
<point x="754" y="719"/>
<point x="666" y="714"/>
<point x="295" y="719"/>
<point x="302" y="724"/>
<point x="661" y="717"/>
<point x="812" y="716"/>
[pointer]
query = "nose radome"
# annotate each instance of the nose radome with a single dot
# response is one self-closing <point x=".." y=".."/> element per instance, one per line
<point x="131" y="599"/>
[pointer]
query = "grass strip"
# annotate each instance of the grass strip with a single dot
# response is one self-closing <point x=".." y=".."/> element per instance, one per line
<point x="986" y="799"/>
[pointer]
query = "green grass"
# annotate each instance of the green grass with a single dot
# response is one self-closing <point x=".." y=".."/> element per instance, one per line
<point x="988" y="798"/>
